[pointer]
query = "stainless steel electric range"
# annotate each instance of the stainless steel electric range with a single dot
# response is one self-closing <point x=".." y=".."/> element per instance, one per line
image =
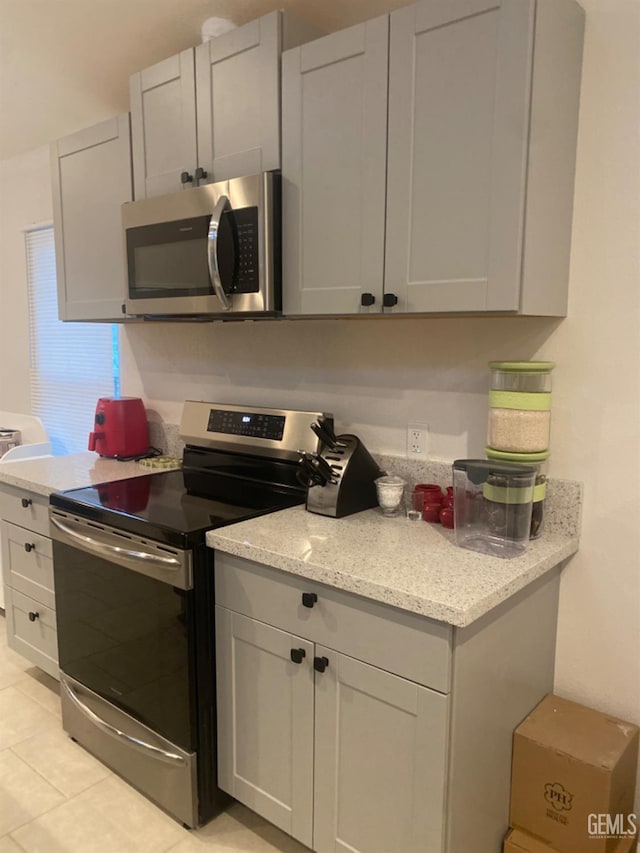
<point x="135" y="597"/>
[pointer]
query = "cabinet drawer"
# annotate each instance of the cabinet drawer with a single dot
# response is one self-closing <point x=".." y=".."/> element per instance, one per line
<point x="403" y="643"/>
<point x="34" y="516"/>
<point x="28" y="563"/>
<point x="34" y="638"/>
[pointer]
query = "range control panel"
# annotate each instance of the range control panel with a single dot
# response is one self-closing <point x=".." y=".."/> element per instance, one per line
<point x="251" y="424"/>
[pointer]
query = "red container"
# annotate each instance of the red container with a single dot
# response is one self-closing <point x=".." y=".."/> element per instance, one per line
<point x="431" y="512"/>
<point x="446" y="517"/>
<point x="120" y="428"/>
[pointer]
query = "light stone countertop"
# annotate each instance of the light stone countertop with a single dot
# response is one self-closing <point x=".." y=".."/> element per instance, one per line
<point x="46" y="474"/>
<point x="411" y="565"/>
<point x="414" y="566"/>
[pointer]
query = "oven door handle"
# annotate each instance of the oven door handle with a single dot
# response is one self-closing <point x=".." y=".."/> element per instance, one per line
<point x="105" y="550"/>
<point x="212" y="250"/>
<point x="169" y="757"/>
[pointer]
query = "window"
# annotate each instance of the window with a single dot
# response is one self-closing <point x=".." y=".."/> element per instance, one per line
<point x="72" y="364"/>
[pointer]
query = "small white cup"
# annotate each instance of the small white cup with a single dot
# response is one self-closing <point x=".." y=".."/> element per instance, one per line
<point x="390" y="490"/>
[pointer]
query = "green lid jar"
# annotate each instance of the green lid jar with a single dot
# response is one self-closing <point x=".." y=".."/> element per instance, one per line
<point x="539" y="462"/>
<point x="520" y="406"/>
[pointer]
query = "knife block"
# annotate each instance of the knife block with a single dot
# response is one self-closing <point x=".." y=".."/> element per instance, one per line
<point x="352" y="488"/>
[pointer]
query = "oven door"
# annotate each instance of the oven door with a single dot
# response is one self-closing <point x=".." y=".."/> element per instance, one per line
<point x="126" y="627"/>
<point x="211" y="250"/>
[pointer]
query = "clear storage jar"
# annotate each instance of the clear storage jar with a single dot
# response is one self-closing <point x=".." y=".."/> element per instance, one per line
<point x="492" y="506"/>
<point x="539" y="462"/>
<point x="520" y="406"/>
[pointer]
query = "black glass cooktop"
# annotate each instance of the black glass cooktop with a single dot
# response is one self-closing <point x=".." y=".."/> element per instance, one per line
<point x="177" y="507"/>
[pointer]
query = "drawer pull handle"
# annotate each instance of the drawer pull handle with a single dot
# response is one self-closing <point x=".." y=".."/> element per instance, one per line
<point x="33" y="616"/>
<point x="320" y="664"/>
<point x="26" y="502"/>
<point x="309" y="599"/>
<point x="28" y="546"/>
<point x="297" y="655"/>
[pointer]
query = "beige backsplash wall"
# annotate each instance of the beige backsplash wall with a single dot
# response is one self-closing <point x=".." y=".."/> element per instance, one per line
<point x="374" y="375"/>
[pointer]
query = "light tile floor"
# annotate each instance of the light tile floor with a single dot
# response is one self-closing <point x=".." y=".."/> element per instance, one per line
<point x="56" y="798"/>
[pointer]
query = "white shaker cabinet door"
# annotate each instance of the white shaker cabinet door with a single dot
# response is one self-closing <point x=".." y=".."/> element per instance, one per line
<point x="238" y="86"/>
<point x="265" y="721"/>
<point x="163" y="118"/>
<point x="91" y="180"/>
<point x="334" y="127"/>
<point x="459" y="97"/>
<point x="380" y="772"/>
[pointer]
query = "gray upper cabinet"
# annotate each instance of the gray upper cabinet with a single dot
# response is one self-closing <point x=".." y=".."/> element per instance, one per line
<point x="229" y="89"/>
<point x="163" y="116"/>
<point x="334" y="125"/>
<point x="91" y="176"/>
<point x="469" y="139"/>
<point x="483" y="100"/>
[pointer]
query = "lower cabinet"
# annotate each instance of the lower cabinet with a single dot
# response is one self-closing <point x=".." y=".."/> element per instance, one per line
<point x="27" y="564"/>
<point x="315" y="741"/>
<point x="265" y="721"/>
<point x="339" y="752"/>
<point x="362" y="728"/>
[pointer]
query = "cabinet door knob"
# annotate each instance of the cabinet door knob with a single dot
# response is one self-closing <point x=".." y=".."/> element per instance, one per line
<point x="367" y="299"/>
<point x="33" y="616"/>
<point x="389" y="300"/>
<point x="309" y="599"/>
<point x="26" y="502"/>
<point x="201" y="173"/>
<point x="186" y="178"/>
<point x="320" y="664"/>
<point x="29" y="546"/>
<point x="297" y="655"/>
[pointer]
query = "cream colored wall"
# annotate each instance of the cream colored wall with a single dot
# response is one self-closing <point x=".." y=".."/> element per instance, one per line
<point x="378" y="375"/>
<point x="25" y="199"/>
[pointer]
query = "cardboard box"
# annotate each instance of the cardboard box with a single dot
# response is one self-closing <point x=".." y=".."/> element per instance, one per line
<point x="573" y="777"/>
<point x="518" y="841"/>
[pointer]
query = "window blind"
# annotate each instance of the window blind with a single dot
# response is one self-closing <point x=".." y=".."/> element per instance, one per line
<point x="71" y="364"/>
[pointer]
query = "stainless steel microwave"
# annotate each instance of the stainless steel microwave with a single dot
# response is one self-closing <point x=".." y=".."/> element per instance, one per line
<point x="211" y="251"/>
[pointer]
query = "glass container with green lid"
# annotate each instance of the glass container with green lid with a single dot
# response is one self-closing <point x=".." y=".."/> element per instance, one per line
<point x="539" y="462"/>
<point x="492" y="506"/>
<point x="521" y="376"/>
<point x="520" y="406"/>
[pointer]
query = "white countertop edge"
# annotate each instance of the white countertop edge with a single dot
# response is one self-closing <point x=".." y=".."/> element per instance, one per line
<point x="386" y="594"/>
<point x="47" y="474"/>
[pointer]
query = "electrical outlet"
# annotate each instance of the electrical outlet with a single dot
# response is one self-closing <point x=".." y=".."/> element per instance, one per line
<point x="417" y="436"/>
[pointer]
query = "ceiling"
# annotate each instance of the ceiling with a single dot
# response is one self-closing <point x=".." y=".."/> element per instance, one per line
<point x="65" y="64"/>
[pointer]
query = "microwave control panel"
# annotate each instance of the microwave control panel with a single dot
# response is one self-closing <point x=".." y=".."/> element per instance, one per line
<point x="246" y="224"/>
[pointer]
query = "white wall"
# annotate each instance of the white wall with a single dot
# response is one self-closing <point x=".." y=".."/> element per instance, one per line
<point x="25" y="199"/>
<point x="378" y="375"/>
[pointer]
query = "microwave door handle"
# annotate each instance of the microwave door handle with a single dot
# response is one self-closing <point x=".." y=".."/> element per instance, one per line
<point x="212" y="251"/>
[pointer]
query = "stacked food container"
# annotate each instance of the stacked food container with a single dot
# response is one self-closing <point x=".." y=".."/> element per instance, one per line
<point x="519" y="422"/>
